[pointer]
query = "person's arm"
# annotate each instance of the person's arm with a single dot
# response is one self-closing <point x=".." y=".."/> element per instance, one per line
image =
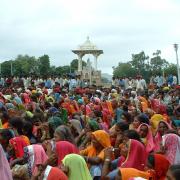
<point x="107" y="163"/>
<point x="93" y="160"/>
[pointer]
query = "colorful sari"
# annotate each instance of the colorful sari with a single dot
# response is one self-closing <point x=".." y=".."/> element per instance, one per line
<point x="5" y="171"/>
<point x="77" y="167"/>
<point x="127" y="173"/>
<point x="136" y="149"/>
<point x="158" y="137"/>
<point x="36" y="156"/>
<point x="103" y="138"/>
<point x="161" y="166"/>
<point x="149" y="141"/>
<point x="54" y="173"/>
<point x="63" y="148"/>
<point x="171" y="143"/>
<point x="18" y="144"/>
<point x="155" y="119"/>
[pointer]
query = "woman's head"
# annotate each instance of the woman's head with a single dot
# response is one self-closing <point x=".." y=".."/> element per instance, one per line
<point x="100" y="139"/>
<point x="16" y="124"/>
<point x="131" y="134"/>
<point x="125" y="148"/>
<point x="120" y="127"/>
<point x="143" y="131"/>
<point x="162" y="128"/>
<point x="63" y="133"/>
<point x="142" y="118"/>
<point x="27" y="128"/>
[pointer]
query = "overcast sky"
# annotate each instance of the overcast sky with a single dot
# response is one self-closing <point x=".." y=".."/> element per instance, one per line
<point x="119" y="27"/>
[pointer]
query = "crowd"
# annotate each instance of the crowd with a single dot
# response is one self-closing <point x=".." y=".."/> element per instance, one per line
<point x="63" y="128"/>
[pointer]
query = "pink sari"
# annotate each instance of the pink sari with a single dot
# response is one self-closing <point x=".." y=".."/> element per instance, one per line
<point x="150" y="140"/>
<point x="171" y="143"/>
<point x="136" y="157"/>
<point x="5" y="171"/>
<point x="63" y="148"/>
<point x="158" y="137"/>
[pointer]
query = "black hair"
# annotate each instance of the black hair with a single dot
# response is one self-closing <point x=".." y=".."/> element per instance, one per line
<point x="28" y="127"/>
<point x="143" y="118"/>
<point x="16" y="122"/>
<point x="175" y="170"/>
<point x="123" y="126"/>
<point x="132" y="134"/>
<point x="6" y="134"/>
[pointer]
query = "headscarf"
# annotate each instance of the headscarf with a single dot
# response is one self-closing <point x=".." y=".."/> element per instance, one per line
<point x="77" y="125"/>
<point x="155" y="119"/>
<point x="158" y="137"/>
<point x="171" y="143"/>
<point x="149" y="139"/>
<point x="54" y="122"/>
<point x="161" y="166"/>
<point x="63" y="148"/>
<point x="5" y="171"/>
<point x="102" y="137"/>
<point x="77" y="167"/>
<point x="127" y="173"/>
<point x="36" y="156"/>
<point x="52" y="173"/>
<point x="136" y="157"/>
<point x="93" y="125"/>
<point x="18" y="144"/>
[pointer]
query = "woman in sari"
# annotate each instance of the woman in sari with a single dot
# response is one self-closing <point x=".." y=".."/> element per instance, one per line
<point x="94" y="153"/>
<point x="100" y="140"/>
<point x="5" y="171"/>
<point x="146" y="137"/>
<point x="63" y="148"/>
<point x="171" y="148"/>
<point x="76" y="167"/>
<point x="159" y="165"/>
<point x="129" y="152"/>
<point x="53" y="173"/>
<point x="16" y="147"/>
<point x="63" y="133"/>
<point x="163" y="126"/>
<point x="35" y="155"/>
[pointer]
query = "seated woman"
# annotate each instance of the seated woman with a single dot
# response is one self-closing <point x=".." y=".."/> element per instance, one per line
<point x="171" y="148"/>
<point x="146" y="137"/>
<point x="63" y="133"/>
<point x="163" y="126"/>
<point x="52" y="173"/>
<point x="159" y="164"/>
<point x="130" y="150"/>
<point x="94" y="153"/>
<point x="76" y="167"/>
<point x="15" y="147"/>
<point x="61" y="148"/>
<point x="138" y="120"/>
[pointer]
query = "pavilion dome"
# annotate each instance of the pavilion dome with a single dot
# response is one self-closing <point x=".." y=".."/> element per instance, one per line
<point x="88" y="45"/>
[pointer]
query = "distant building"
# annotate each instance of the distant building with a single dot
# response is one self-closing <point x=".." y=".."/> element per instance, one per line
<point x="88" y="73"/>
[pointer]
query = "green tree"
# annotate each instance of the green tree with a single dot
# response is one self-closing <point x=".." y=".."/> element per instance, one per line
<point x="74" y="65"/>
<point x="124" y="69"/>
<point x="157" y="63"/>
<point x="171" y="69"/>
<point x="44" y="65"/>
<point x="139" y="63"/>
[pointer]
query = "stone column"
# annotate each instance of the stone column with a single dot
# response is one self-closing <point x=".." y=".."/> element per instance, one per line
<point x="79" y="62"/>
<point x="95" y="61"/>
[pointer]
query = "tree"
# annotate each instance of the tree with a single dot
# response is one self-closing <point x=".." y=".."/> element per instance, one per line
<point x="139" y="62"/>
<point x="171" y="69"/>
<point x="124" y="69"/>
<point x="44" y="65"/>
<point x="74" y="65"/>
<point x="157" y="63"/>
